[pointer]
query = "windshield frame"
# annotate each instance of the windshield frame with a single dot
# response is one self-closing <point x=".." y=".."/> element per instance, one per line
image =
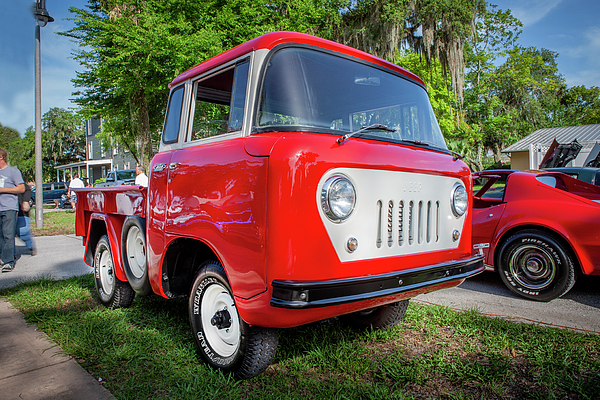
<point x="367" y="134"/>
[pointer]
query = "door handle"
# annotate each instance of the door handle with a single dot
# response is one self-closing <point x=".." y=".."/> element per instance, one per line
<point x="174" y="165"/>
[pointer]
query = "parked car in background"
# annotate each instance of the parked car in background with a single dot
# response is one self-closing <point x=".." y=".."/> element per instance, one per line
<point x="589" y="175"/>
<point x="51" y="191"/>
<point x="539" y="229"/>
<point x="119" y="178"/>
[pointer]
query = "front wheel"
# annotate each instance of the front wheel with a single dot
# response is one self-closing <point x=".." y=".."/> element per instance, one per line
<point x="225" y="341"/>
<point x="535" y="266"/>
<point x="112" y="292"/>
<point x="382" y="317"/>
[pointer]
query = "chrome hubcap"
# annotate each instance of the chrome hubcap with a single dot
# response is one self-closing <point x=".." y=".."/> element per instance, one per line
<point x="532" y="267"/>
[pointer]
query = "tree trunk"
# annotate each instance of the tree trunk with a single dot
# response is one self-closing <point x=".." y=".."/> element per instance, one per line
<point x="141" y="126"/>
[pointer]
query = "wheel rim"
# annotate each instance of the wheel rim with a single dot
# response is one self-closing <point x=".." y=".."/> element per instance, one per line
<point x="106" y="272"/>
<point x="224" y="338"/>
<point x="532" y="267"/>
<point x="136" y="252"/>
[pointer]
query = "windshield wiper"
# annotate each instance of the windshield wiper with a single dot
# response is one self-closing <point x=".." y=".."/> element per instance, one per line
<point x="457" y="156"/>
<point x="373" y="127"/>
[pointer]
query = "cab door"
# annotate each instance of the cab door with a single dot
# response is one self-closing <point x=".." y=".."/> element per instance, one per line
<point x="158" y="182"/>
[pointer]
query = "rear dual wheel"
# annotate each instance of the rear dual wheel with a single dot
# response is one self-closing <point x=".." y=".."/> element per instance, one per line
<point x="112" y="292"/>
<point x="133" y="253"/>
<point x="225" y="341"/>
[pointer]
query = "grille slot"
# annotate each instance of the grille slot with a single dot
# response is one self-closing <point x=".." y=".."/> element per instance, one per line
<point x="379" y="216"/>
<point x="390" y="223"/>
<point x="400" y="223"/>
<point x="414" y="222"/>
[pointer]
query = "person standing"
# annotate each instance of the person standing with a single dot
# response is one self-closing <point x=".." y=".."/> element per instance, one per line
<point x="23" y="224"/>
<point x="75" y="184"/>
<point x="11" y="184"/>
<point x="141" y="178"/>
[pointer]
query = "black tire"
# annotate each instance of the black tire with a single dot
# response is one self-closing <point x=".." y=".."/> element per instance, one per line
<point x="382" y="317"/>
<point x="536" y="266"/>
<point x="224" y="340"/>
<point x="112" y="292"/>
<point x="133" y="254"/>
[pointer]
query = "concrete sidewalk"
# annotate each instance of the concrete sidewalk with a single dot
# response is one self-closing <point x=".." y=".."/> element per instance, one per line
<point x="31" y="366"/>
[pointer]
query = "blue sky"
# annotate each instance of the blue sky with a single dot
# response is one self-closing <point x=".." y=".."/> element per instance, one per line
<point x="569" y="27"/>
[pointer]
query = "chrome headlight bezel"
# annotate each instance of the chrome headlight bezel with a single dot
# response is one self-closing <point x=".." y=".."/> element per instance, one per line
<point x="459" y="200"/>
<point x="338" y="198"/>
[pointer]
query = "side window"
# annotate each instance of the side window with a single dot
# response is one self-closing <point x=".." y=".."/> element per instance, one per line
<point x="239" y="96"/>
<point x="171" y="129"/>
<point x="219" y="102"/>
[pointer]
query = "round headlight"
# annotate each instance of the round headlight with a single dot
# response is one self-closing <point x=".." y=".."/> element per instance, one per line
<point x="338" y="198"/>
<point x="460" y="200"/>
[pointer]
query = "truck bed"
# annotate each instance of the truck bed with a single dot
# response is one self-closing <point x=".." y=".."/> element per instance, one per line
<point x="115" y="200"/>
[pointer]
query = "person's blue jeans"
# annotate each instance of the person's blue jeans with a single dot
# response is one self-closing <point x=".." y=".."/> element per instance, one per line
<point x="8" y="229"/>
<point x="24" y="231"/>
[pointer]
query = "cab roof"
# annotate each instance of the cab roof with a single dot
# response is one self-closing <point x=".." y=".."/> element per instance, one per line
<point x="270" y="40"/>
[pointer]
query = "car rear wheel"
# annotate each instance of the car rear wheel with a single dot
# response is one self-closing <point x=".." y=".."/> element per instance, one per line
<point x="112" y="292"/>
<point x="133" y="248"/>
<point x="536" y="266"/>
<point x="382" y="317"/>
<point x="225" y="341"/>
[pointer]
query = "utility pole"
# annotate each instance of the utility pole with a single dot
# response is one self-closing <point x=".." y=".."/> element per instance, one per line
<point x="41" y="19"/>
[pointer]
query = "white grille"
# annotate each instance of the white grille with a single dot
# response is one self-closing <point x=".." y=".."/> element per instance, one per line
<point x="407" y="222"/>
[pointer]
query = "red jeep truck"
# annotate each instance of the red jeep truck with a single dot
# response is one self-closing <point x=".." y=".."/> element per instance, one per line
<point x="297" y="180"/>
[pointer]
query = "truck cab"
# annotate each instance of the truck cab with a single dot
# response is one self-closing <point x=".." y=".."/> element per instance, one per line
<point x="297" y="180"/>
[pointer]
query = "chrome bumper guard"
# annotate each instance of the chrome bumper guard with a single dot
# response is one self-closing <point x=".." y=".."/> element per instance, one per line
<point x="290" y="294"/>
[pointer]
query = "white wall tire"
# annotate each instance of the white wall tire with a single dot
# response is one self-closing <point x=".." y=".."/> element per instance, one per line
<point x="224" y="340"/>
<point x="111" y="291"/>
<point x="133" y="254"/>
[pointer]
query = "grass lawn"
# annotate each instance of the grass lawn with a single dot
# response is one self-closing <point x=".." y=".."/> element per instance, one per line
<point x="147" y="352"/>
<point x="60" y="222"/>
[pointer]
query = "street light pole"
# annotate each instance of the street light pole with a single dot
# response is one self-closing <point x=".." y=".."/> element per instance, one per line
<point x="41" y="19"/>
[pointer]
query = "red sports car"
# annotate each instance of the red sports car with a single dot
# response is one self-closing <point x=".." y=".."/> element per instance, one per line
<point x="539" y="230"/>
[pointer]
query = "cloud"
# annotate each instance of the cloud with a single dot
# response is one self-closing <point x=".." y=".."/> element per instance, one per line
<point x="587" y="57"/>
<point x="531" y="11"/>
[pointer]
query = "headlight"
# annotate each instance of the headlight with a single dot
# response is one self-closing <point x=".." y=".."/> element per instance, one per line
<point x="338" y="198"/>
<point x="460" y="200"/>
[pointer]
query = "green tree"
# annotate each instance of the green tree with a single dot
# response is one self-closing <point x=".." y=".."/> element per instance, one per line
<point x="20" y="151"/>
<point x="496" y="33"/>
<point x="63" y="137"/>
<point x="525" y="88"/>
<point x="22" y="155"/>
<point x="130" y="51"/>
<point x="579" y="106"/>
<point x="7" y="136"/>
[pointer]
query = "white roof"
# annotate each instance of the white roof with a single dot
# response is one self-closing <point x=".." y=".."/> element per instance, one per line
<point x="586" y="135"/>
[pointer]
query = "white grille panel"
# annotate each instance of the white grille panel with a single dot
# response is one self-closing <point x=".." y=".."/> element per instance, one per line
<point x="397" y="213"/>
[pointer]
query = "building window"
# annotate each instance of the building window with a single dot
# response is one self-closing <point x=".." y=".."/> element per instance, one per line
<point x="90" y="150"/>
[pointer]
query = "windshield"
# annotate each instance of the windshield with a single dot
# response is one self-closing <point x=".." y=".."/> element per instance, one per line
<point x="306" y="89"/>
<point x="125" y="175"/>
